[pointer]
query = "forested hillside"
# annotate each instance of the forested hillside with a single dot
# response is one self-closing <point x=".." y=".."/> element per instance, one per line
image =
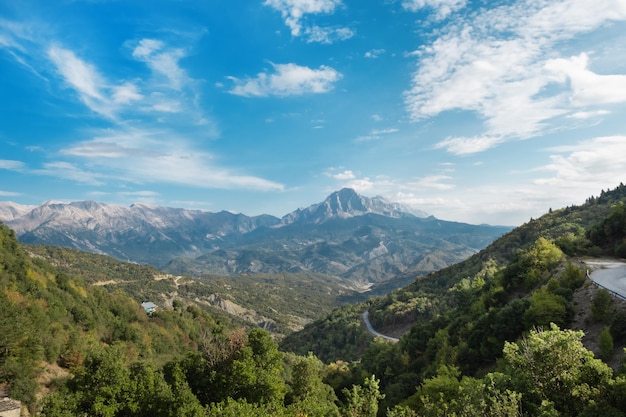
<point x="280" y="303"/>
<point x="69" y="348"/>
<point x="495" y="336"/>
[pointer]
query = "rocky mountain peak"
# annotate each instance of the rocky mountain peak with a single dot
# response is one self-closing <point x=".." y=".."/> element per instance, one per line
<point x="347" y="203"/>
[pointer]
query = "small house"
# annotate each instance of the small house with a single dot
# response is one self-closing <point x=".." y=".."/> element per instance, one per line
<point x="149" y="307"/>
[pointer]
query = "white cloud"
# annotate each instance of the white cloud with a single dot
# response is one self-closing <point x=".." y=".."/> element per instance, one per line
<point x="501" y="65"/>
<point x="588" y="87"/>
<point x="294" y="11"/>
<point x="126" y="93"/>
<point x="83" y="77"/>
<point x="11" y="164"/>
<point x="92" y="87"/>
<point x="583" y="115"/>
<point x="591" y="164"/>
<point x="384" y="131"/>
<point x="150" y="156"/>
<point x="435" y="181"/>
<point x="376" y="134"/>
<point x="345" y="175"/>
<point x="287" y="80"/>
<point x="465" y="146"/>
<point x="140" y="193"/>
<point x="442" y="7"/>
<point x="169" y="91"/>
<point x="146" y="48"/>
<point x="9" y="194"/>
<point x="327" y="35"/>
<point x="374" y="53"/>
<point x="162" y="60"/>
<point x="72" y="172"/>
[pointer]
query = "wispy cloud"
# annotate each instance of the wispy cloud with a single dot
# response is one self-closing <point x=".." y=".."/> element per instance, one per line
<point x="434" y="181"/>
<point x="128" y="153"/>
<point x="376" y="134"/>
<point x="295" y="11"/>
<point x="501" y="65"/>
<point x="168" y="89"/>
<point x="150" y="156"/>
<point x="83" y="78"/>
<point x="316" y="34"/>
<point x="287" y="80"/>
<point x="163" y="61"/>
<point x="442" y="8"/>
<point x="345" y="175"/>
<point x="385" y="185"/>
<point x="11" y="165"/>
<point x="72" y="172"/>
<point x="583" y="115"/>
<point x="9" y="194"/>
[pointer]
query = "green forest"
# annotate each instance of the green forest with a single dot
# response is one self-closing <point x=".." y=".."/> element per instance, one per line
<point x="504" y="333"/>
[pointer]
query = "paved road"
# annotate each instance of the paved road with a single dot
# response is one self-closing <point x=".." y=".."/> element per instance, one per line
<point x="370" y="328"/>
<point x="609" y="274"/>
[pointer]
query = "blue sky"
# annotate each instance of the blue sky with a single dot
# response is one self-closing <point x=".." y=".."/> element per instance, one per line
<point x="475" y="111"/>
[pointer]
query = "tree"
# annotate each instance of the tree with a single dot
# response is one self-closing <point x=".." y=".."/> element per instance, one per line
<point x="446" y="394"/>
<point x="605" y="343"/>
<point x="553" y="366"/>
<point x="545" y="308"/>
<point x="601" y="305"/>
<point x="362" y="401"/>
<point x="255" y="373"/>
<point x="572" y="277"/>
<point x="309" y="394"/>
<point x="103" y="383"/>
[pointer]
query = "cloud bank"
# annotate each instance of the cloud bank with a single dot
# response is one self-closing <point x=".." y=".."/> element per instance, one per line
<point x="500" y="65"/>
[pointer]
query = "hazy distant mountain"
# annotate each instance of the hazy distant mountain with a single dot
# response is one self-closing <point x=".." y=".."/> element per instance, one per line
<point x="139" y="233"/>
<point x="347" y="235"/>
<point x="10" y="210"/>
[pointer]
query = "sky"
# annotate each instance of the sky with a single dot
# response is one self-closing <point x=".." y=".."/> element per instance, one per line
<point x="487" y="111"/>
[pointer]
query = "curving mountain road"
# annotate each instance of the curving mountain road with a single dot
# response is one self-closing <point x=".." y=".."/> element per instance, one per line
<point x="370" y="328"/>
<point x="609" y="274"/>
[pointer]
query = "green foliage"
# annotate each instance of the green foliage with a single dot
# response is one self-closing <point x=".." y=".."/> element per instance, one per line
<point x="605" y="344"/>
<point x="572" y="277"/>
<point x="308" y="394"/>
<point x="448" y="394"/>
<point x="610" y="234"/>
<point x="552" y="366"/>
<point x="601" y="305"/>
<point x="340" y="335"/>
<point x="545" y="308"/>
<point x="362" y="401"/>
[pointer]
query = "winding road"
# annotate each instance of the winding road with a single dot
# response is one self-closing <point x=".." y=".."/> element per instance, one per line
<point x="370" y="328"/>
<point x="609" y="274"/>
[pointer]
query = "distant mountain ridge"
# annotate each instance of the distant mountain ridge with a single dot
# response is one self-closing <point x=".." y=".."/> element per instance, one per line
<point x="365" y="240"/>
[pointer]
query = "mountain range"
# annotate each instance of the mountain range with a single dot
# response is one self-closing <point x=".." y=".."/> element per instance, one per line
<point x="364" y="240"/>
